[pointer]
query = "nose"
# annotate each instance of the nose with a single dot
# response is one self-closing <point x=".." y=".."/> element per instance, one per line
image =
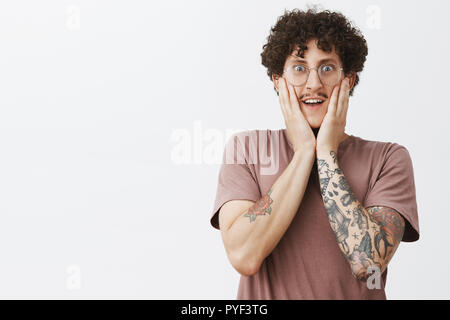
<point x="313" y="82"/>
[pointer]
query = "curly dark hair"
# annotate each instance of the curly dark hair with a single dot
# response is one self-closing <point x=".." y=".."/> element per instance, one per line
<point x="296" y="28"/>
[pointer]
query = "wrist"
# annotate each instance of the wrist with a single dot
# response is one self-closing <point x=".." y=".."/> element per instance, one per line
<point x="309" y="154"/>
<point x="325" y="151"/>
<point x="329" y="156"/>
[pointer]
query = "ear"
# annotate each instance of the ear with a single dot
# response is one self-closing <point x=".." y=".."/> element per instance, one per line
<point x="275" y="80"/>
<point x="352" y="77"/>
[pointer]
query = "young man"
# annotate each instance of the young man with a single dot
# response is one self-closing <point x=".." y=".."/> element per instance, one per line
<point x="327" y="221"/>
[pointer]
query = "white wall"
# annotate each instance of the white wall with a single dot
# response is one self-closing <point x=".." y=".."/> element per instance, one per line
<point x="93" y="201"/>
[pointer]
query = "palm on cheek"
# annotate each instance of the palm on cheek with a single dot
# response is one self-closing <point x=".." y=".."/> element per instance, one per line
<point x="333" y="124"/>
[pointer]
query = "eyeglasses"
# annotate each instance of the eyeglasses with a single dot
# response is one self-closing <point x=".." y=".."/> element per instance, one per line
<point x="297" y="74"/>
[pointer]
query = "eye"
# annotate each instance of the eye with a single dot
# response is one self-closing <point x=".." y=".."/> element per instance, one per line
<point x="328" y="67"/>
<point x="299" y="68"/>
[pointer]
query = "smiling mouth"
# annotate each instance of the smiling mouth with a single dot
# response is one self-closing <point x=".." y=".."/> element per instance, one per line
<point x="313" y="103"/>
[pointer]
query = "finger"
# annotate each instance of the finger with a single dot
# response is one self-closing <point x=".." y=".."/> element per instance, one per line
<point x="295" y="107"/>
<point x="343" y="95"/>
<point x="283" y="97"/>
<point x="283" y="109"/>
<point x="346" y="100"/>
<point x="333" y="101"/>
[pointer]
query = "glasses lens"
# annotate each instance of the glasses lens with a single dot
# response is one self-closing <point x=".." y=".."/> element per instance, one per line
<point x="297" y="75"/>
<point x="329" y="74"/>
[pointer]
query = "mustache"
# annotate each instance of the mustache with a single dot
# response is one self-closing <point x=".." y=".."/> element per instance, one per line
<point x="323" y="95"/>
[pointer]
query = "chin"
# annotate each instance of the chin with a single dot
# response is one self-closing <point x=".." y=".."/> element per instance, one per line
<point x="315" y="123"/>
<point x="314" y="120"/>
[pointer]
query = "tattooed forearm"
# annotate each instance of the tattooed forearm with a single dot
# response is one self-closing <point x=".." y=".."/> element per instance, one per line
<point x="261" y="207"/>
<point x="392" y="228"/>
<point x="339" y="223"/>
<point x="325" y="175"/>
<point x="366" y="237"/>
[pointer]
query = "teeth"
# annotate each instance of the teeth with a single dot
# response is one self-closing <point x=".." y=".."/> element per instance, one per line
<point x="313" y="101"/>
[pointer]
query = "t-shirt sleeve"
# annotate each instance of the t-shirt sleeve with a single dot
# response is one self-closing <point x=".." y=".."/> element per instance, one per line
<point x="235" y="180"/>
<point x="395" y="188"/>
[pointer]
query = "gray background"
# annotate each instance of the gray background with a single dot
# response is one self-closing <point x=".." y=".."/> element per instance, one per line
<point x="95" y="95"/>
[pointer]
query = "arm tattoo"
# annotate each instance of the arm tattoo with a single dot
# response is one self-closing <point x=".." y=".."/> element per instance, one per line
<point x="334" y="156"/>
<point x="391" y="231"/>
<point x="367" y="237"/>
<point x="261" y="207"/>
<point x="339" y="222"/>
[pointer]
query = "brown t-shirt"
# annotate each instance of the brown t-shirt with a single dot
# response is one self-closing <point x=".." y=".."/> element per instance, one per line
<point x="307" y="262"/>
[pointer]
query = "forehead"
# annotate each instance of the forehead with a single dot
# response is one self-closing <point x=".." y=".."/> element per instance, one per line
<point x="313" y="54"/>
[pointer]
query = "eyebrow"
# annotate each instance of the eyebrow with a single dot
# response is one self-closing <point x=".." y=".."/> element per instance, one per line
<point x="320" y="62"/>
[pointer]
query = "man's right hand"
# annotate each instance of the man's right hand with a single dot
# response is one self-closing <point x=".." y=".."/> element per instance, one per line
<point x="298" y="129"/>
<point x="248" y="241"/>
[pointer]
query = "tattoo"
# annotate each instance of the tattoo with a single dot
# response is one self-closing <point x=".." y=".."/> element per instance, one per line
<point x="331" y="194"/>
<point x="324" y="184"/>
<point x="339" y="222"/>
<point x="347" y="199"/>
<point x="321" y="165"/>
<point x="392" y="228"/>
<point x="343" y="185"/>
<point x="375" y="232"/>
<point x="325" y="180"/>
<point x="360" y="219"/>
<point x="389" y="217"/>
<point x="366" y="245"/>
<point x="381" y="238"/>
<point x="360" y="262"/>
<point x="261" y="207"/>
<point x="334" y="156"/>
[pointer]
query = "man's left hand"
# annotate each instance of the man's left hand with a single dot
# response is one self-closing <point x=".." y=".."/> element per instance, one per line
<point x="332" y="129"/>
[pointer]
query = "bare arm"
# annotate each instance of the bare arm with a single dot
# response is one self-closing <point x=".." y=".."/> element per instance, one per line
<point x="251" y="235"/>
<point x="250" y="231"/>
<point x="367" y="237"/>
